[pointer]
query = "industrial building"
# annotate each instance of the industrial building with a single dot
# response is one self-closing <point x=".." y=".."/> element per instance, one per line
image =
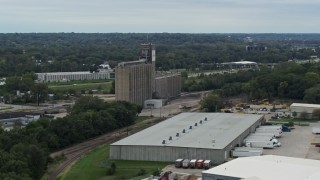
<point x="136" y="81"/>
<point x="240" y="65"/>
<point x="307" y="109"/>
<point x="167" y="86"/>
<point x="8" y="119"/>
<point x="188" y="136"/>
<point x="265" y="168"/>
<point x="70" y="76"/>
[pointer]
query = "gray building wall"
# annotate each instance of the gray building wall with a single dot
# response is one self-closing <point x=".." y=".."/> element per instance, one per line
<point x="168" y="86"/>
<point x="164" y="153"/>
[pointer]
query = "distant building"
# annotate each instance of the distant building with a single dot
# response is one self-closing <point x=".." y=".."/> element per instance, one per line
<point x="9" y="119"/>
<point x="255" y="48"/>
<point x="240" y="65"/>
<point x="265" y="168"/>
<point x="135" y="81"/>
<point x="71" y="76"/>
<point x="103" y="71"/>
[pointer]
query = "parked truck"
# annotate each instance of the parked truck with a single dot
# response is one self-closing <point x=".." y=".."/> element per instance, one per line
<point x="286" y="128"/>
<point x="264" y="134"/>
<point x="275" y="132"/>
<point x="261" y="138"/>
<point x="186" y="163"/>
<point x="192" y="163"/>
<point x="273" y="127"/>
<point x="199" y="163"/>
<point x="207" y="164"/>
<point x="178" y="163"/>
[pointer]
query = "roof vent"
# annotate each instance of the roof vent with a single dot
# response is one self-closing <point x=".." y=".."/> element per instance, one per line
<point x="177" y="134"/>
<point x="190" y="127"/>
<point x="164" y="142"/>
<point x="195" y="124"/>
<point x="183" y="131"/>
<point x="205" y="119"/>
<point x="170" y="138"/>
<point x="200" y="122"/>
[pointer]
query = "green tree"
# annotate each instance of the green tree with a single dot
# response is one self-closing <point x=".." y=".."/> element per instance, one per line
<point x="312" y="95"/>
<point x="211" y="103"/>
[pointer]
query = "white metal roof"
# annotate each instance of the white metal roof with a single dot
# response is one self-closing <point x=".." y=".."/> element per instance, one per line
<point x="70" y="73"/>
<point x="305" y="105"/>
<point x="269" y="167"/>
<point x="242" y="63"/>
<point x="217" y="132"/>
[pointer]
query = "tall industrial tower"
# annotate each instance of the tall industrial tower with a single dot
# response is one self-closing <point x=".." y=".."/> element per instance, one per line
<point x="135" y="80"/>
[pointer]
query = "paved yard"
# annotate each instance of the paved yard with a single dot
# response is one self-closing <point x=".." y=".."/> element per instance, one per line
<point x="297" y="143"/>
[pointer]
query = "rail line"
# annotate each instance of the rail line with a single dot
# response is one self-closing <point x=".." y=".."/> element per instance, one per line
<point x="75" y="152"/>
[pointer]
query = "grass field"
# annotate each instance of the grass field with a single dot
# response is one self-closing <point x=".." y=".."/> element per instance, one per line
<point x="95" y="165"/>
<point x="101" y="86"/>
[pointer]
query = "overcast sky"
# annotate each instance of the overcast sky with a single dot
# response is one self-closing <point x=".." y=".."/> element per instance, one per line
<point x="182" y="16"/>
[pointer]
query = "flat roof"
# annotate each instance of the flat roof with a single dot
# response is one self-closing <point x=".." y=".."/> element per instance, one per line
<point x="269" y="167"/>
<point x="217" y="132"/>
<point x="305" y="105"/>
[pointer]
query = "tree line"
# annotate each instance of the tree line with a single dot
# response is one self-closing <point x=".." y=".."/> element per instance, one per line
<point x="287" y="80"/>
<point x="24" y="152"/>
<point x="55" y="52"/>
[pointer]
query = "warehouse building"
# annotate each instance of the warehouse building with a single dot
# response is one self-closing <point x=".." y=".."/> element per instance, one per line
<point x="305" y="110"/>
<point x="188" y="135"/>
<point x="71" y="76"/>
<point x="240" y="65"/>
<point x="265" y="168"/>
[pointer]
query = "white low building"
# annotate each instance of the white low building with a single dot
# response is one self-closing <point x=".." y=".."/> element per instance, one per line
<point x="70" y="76"/>
<point x="269" y="167"/>
<point x="300" y="108"/>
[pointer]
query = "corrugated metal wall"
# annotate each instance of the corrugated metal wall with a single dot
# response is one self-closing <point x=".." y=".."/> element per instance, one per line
<point x="164" y="153"/>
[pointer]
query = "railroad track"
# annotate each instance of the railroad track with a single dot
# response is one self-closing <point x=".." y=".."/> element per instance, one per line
<point x="75" y="152"/>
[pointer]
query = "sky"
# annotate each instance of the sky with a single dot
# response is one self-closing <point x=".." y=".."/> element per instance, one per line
<point x="151" y="16"/>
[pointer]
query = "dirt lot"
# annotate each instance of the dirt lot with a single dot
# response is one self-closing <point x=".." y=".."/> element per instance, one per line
<point x="174" y="107"/>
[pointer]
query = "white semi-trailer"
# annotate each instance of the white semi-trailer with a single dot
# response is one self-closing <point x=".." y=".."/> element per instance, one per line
<point x="275" y="132"/>
<point x="261" y="144"/>
<point x="272" y="127"/>
<point x="246" y="152"/>
<point x="263" y="134"/>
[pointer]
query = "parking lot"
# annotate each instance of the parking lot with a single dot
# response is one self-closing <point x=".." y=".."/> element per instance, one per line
<point x="297" y="143"/>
